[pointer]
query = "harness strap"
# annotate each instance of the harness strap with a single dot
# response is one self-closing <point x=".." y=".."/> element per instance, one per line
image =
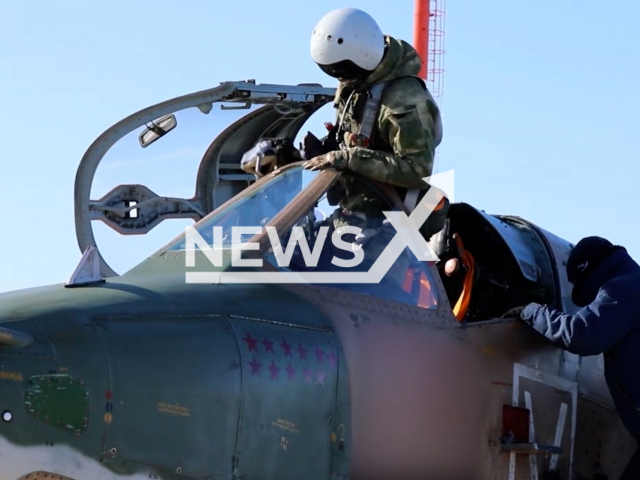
<point x="411" y="198"/>
<point x="370" y="113"/>
<point x="369" y="117"/>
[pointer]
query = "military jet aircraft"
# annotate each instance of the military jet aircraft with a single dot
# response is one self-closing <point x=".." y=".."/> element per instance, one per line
<point x="144" y="375"/>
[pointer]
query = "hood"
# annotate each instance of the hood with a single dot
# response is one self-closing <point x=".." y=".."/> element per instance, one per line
<point x="617" y="263"/>
<point x="400" y="60"/>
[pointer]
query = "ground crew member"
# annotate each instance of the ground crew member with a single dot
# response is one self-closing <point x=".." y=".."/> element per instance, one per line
<point x="606" y="285"/>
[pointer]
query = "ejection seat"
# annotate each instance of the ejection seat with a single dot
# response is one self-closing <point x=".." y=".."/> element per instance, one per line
<point x="456" y="267"/>
<point x="491" y="263"/>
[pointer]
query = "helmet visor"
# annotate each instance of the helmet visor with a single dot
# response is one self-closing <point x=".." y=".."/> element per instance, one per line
<point x="345" y="70"/>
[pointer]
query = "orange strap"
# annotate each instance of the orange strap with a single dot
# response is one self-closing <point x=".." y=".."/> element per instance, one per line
<point x="408" y="281"/>
<point x="460" y="309"/>
<point x="425" y="297"/>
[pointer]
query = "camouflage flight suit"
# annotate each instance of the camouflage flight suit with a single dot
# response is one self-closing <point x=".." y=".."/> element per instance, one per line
<point x="401" y="147"/>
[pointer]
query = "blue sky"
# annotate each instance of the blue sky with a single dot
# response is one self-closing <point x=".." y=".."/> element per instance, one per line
<point x="540" y="108"/>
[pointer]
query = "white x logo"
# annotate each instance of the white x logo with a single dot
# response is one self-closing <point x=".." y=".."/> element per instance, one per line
<point x="409" y="227"/>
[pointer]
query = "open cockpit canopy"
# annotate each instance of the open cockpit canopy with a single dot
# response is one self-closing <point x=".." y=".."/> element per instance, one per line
<point x="486" y="262"/>
<point x="184" y="132"/>
<point x="307" y="227"/>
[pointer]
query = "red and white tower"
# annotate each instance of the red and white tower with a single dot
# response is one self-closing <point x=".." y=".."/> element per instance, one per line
<point x="428" y="39"/>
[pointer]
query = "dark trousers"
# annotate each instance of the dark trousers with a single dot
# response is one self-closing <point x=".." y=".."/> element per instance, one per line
<point x="632" y="472"/>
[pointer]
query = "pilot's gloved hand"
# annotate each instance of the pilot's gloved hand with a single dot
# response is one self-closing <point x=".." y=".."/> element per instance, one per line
<point x="336" y="159"/>
<point x="514" y="312"/>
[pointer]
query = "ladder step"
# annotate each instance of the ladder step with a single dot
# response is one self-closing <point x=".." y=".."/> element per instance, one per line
<point x="530" y="448"/>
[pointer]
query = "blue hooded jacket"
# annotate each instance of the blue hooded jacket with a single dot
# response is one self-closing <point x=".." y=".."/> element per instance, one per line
<point x="610" y="325"/>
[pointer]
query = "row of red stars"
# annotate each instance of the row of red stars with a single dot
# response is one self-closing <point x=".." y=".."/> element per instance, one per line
<point x="307" y="374"/>
<point x="252" y="344"/>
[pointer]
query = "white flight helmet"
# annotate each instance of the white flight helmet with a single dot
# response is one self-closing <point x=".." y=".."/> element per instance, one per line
<point x="347" y="44"/>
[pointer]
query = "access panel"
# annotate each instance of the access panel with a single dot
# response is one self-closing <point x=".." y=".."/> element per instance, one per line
<point x="289" y="421"/>
<point x="175" y="393"/>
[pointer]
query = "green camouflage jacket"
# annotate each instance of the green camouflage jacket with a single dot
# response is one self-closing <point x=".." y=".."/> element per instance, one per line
<point x="404" y="139"/>
<point x="408" y="127"/>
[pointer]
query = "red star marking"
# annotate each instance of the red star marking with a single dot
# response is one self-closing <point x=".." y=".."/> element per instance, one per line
<point x="307" y="376"/>
<point x="302" y="352"/>
<point x="268" y="345"/>
<point x="108" y="395"/>
<point x="251" y="342"/>
<point x="319" y="354"/>
<point x="286" y="347"/>
<point x="274" y="370"/>
<point x="332" y="359"/>
<point x="290" y="371"/>
<point x="320" y="378"/>
<point x="255" y="366"/>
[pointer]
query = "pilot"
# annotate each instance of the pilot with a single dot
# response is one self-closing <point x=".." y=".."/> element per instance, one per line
<point x="606" y="285"/>
<point x="378" y="81"/>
